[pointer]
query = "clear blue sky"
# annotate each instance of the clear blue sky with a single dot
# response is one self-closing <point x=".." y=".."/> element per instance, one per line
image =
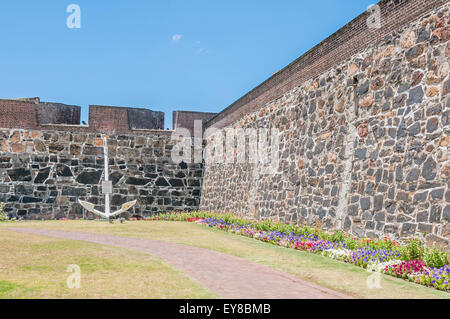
<point x="127" y="53"/>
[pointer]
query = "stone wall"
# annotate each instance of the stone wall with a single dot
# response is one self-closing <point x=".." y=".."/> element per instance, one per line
<point x="44" y="172"/>
<point x="363" y="145"/>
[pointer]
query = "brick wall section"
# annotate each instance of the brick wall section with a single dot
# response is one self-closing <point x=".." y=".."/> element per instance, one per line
<point x="348" y="41"/>
<point x="32" y="114"/>
<point x="108" y="119"/>
<point x="18" y="114"/>
<point x="57" y="113"/>
<point x="185" y="119"/>
<point x="141" y="119"/>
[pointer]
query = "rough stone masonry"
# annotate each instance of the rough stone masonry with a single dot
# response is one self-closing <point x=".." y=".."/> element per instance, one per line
<point x="46" y="168"/>
<point x="363" y="123"/>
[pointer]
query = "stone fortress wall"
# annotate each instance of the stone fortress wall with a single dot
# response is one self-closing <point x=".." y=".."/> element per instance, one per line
<point x="48" y="161"/>
<point x="363" y="121"/>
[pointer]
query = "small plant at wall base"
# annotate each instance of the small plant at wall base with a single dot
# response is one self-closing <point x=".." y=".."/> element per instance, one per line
<point x="3" y="215"/>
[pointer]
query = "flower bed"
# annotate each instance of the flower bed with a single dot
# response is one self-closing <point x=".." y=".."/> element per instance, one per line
<point x="410" y="260"/>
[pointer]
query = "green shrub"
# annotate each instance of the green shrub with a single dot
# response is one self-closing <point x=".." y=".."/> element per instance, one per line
<point x="435" y="258"/>
<point x="3" y="215"/>
<point x="415" y="249"/>
<point x="337" y="236"/>
<point x="352" y="243"/>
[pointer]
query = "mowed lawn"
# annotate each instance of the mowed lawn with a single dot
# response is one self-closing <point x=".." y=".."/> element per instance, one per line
<point x="36" y="267"/>
<point x="326" y="272"/>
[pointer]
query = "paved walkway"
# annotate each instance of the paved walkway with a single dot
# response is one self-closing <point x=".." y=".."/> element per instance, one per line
<point x="228" y="276"/>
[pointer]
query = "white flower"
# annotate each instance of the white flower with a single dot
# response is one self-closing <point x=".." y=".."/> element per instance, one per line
<point x="339" y="254"/>
<point x="380" y="266"/>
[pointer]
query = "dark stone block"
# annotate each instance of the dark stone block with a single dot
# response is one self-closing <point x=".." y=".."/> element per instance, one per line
<point x="176" y="183"/>
<point x="352" y="210"/>
<point x="429" y="170"/>
<point x="329" y="168"/>
<point x="415" y="95"/>
<point x="390" y="229"/>
<point x="435" y="214"/>
<point x="429" y="185"/>
<point x="365" y="203"/>
<point x="380" y="217"/>
<point x="19" y="175"/>
<point x="190" y="202"/>
<point x="334" y="191"/>
<point x="92" y="150"/>
<point x="23" y="190"/>
<point x="13" y="198"/>
<point x="413" y="175"/>
<point x="432" y="125"/>
<point x="137" y="181"/>
<point x="437" y="194"/>
<point x="403" y="88"/>
<point x="89" y="177"/>
<point x="445" y="118"/>
<point x="399" y="173"/>
<point x="382" y="188"/>
<point x="366" y="216"/>
<point x="434" y="110"/>
<point x="420" y="197"/>
<point x="148" y="200"/>
<point x="63" y="170"/>
<point x="73" y="191"/>
<point x="425" y="228"/>
<point x="4" y="189"/>
<point x="118" y="200"/>
<point x="423" y="35"/>
<point x="180" y="175"/>
<point x="55" y="148"/>
<point x="360" y="154"/>
<point x="363" y="88"/>
<point x="414" y="52"/>
<point x="194" y="183"/>
<point x="422" y="217"/>
<point x="408" y="229"/>
<point x="378" y="202"/>
<point x="161" y="182"/>
<point x="414" y="129"/>
<point x="182" y="165"/>
<point x="446" y="213"/>
<point x="115" y="177"/>
<point x="29" y="199"/>
<point x="164" y="192"/>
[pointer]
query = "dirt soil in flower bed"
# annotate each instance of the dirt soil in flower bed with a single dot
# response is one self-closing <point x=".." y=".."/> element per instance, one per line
<point x="226" y="275"/>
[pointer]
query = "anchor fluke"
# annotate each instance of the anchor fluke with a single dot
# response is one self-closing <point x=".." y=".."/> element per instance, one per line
<point x="90" y="207"/>
<point x="107" y="189"/>
<point x="124" y="208"/>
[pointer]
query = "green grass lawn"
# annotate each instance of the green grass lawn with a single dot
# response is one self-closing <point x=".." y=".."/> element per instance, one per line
<point x="36" y="267"/>
<point x="329" y="273"/>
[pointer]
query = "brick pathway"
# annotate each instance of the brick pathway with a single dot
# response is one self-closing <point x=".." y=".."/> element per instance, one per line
<point x="228" y="276"/>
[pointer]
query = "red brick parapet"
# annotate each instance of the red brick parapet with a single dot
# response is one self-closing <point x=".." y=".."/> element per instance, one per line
<point x="31" y="114"/>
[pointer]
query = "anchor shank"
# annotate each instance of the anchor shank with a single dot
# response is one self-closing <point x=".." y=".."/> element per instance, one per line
<point x="105" y="151"/>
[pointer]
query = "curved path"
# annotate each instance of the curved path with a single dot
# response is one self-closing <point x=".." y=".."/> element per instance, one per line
<point x="228" y="276"/>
